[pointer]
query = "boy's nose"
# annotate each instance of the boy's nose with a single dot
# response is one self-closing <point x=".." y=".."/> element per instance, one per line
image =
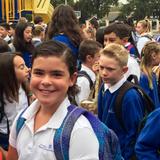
<point x="106" y="42"/>
<point x="104" y="72"/>
<point x="46" y="80"/>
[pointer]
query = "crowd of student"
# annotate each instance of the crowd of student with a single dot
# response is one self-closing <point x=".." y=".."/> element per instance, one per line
<point x="45" y="69"/>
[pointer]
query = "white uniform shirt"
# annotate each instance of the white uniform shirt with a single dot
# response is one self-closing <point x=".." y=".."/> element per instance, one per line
<point x="7" y="39"/>
<point x="116" y="86"/>
<point x="141" y="43"/>
<point x="12" y="109"/>
<point x="133" y="67"/>
<point x="39" y="145"/>
<point x="84" y="84"/>
<point x="23" y="101"/>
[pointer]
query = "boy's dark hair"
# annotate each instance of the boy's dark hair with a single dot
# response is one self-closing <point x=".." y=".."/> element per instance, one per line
<point x="4" y="46"/>
<point x="120" y="29"/>
<point x="100" y="35"/>
<point x="94" y="22"/>
<point x="57" y="49"/>
<point x="5" y="25"/>
<point x="88" y="47"/>
<point x="38" y="19"/>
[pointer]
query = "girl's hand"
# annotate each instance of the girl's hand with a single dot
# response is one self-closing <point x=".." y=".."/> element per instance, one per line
<point x="3" y="154"/>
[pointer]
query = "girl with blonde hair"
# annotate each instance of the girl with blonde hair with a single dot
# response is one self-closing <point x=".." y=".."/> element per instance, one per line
<point x="148" y="80"/>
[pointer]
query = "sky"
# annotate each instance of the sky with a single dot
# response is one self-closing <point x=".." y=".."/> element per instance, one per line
<point x="123" y="1"/>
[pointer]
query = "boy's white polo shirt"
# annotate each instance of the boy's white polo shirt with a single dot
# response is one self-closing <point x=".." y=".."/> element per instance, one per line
<point x="39" y="145"/>
<point x="116" y="86"/>
<point x="84" y="84"/>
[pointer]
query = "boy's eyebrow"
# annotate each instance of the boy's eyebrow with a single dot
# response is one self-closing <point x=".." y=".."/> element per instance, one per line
<point x="52" y="71"/>
<point x="56" y="71"/>
<point x="106" y="67"/>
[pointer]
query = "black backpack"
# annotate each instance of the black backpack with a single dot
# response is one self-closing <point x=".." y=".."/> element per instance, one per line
<point x="85" y="74"/>
<point x="133" y="78"/>
<point x="149" y="106"/>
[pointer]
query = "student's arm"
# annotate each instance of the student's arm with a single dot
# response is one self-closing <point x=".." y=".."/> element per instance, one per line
<point x="132" y="114"/>
<point x="3" y="154"/>
<point x="84" y="85"/>
<point x="148" y="142"/>
<point x="12" y="154"/>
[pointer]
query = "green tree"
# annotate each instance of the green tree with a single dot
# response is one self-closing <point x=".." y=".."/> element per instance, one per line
<point x="89" y="8"/>
<point x="58" y="2"/>
<point x="141" y="8"/>
<point x="96" y="7"/>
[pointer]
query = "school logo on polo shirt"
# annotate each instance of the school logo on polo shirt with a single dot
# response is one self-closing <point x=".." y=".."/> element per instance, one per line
<point x="47" y="148"/>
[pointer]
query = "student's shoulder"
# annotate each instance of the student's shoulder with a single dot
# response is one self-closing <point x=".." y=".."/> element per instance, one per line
<point x="154" y="116"/>
<point x="30" y="111"/>
<point x="61" y="37"/>
<point x="132" y="94"/>
<point x="144" y="38"/>
<point x="82" y="122"/>
<point x="150" y="126"/>
<point x="143" y="77"/>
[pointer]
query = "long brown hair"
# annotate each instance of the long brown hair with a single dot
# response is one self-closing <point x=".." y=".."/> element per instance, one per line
<point x="65" y="21"/>
<point x="9" y="85"/>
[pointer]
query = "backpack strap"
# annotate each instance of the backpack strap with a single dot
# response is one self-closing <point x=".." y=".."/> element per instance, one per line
<point x="148" y="36"/>
<point x="148" y="107"/>
<point x="85" y="74"/>
<point x="62" y="135"/>
<point x="118" y="102"/>
<point x="20" y="122"/>
<point x="134" y="39"/>
<point x="134" y="78"/>
<point x="108" y="142"/>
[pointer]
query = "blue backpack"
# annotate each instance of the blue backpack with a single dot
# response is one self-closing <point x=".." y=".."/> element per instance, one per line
<point x="109" y="148"/>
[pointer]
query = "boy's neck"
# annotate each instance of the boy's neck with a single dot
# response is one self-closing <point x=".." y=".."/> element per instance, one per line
<point x="88" y="66"/>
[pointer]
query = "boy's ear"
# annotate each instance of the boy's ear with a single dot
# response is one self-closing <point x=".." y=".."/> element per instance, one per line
<point x="124" y="40"/>
<point x="89" y="58"/>
<point x="73" y="79"/>
<point x="125" y="69"/>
